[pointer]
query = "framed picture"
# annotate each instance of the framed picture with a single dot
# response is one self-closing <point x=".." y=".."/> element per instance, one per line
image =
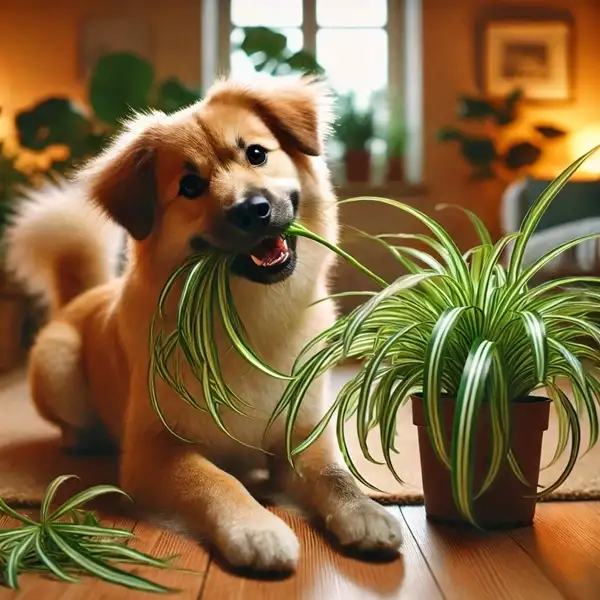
<point x="534" y="56"/>
<point x="103" y="36"/>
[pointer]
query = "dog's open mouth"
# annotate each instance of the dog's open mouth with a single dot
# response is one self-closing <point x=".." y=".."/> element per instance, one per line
<point x="271" y="252"/>
<point x="271" y="261"/>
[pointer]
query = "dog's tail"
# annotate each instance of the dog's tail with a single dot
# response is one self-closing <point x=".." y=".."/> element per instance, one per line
<point x="59" y="245"/>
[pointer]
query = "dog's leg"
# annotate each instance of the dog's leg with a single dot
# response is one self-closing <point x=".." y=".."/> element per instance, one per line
<point x="60" y="392"/>
<point x="328" y="490"/>
<point x="166" y="475"/>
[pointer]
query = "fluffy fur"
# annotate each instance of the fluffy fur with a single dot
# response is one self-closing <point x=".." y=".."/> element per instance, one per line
<point x="88" y="367"/>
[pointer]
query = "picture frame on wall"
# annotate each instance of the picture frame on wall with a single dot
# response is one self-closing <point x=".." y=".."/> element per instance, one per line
<point x="531" y="50"/>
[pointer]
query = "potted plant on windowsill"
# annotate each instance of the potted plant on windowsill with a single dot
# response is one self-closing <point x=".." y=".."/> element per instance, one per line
<point x="354" y="129"/>
<point x="468" y="342"/>
<point x="396" y="147"/>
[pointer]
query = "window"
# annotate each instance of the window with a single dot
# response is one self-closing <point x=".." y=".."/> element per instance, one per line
<point x="349" y="38"/>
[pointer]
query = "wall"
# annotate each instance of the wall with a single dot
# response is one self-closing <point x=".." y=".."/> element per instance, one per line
<point x="40" y="41"/>
<point x="449" y="51"/>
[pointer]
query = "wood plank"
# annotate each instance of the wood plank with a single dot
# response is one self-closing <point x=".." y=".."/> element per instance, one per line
<point x="565" y="544"/>
<point x="470" y="565"/>
<point x="151" y="539"/>
<point x="325" y="573"/>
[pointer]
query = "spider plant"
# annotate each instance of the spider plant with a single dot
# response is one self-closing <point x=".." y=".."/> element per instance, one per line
<point x="69" y="542"/>
<point x="205" y="300"/>
<point x="465" y="327"/>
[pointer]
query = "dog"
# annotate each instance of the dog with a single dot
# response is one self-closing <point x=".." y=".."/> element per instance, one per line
<point x="228" y="173"/>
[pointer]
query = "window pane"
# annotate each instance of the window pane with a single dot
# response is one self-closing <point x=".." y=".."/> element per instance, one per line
<point x="242" y="65"/>
<point x="352" y="13"/>
<point x="266" y="13"/>
<point x="355" y="60"/>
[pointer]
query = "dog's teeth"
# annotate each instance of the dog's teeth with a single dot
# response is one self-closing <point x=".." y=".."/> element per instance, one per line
<point x="257" y="261"/>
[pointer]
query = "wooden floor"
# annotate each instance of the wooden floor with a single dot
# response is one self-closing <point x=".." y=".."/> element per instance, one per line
<point x="558" y="558"/>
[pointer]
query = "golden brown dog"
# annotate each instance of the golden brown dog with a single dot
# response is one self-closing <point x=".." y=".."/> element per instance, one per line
<point x="230" y="172"/>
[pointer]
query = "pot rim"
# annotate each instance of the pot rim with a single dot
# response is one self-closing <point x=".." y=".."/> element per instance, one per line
<point x="531" y="399"/>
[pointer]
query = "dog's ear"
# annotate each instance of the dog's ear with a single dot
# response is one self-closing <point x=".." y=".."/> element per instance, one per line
<point x="298" y="110"/>
<point x="122" y="180"/>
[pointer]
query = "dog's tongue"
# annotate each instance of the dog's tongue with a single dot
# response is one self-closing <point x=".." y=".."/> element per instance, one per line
<point x="270" y="252"/>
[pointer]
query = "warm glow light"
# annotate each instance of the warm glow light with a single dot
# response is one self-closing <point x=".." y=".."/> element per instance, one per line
<point x="583" y="141"/>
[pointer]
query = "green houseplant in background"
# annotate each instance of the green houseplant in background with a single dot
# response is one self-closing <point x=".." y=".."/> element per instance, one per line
<point x="354" y="128"/>
<point x="396" y="149"/>
<point x="120" y="83"/>
<point x="468" y="341"/>
<point x="490" y="150"/>
<point x="269" y="52"/>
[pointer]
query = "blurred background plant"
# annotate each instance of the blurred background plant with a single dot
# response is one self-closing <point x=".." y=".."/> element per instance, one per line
<point x="490" y="151"/>
<point x="354" y="128"/>
<point x="270" y="53"/>
<point x="120" y="84"/>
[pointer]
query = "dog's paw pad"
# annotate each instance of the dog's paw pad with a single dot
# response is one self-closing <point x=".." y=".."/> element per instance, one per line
<point x="265" y="544"/>
<point x="366" y="526"/>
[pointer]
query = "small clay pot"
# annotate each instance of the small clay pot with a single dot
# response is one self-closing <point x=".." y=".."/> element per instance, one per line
<point x="507" y="503"/>
<point x="395" y="169"/>
<point x="358" y="166"/>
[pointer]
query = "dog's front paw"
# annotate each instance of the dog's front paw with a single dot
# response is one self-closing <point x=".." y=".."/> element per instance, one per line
<point x="366" y="526"/>
<point x="264" y="544"/>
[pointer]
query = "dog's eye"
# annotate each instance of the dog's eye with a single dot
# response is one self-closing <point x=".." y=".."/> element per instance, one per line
<point x="256" y="155"/>
<point x="191" y="186"/>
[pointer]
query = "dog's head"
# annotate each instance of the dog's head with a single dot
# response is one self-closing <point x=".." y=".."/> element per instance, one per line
<point x="228" y="174"/>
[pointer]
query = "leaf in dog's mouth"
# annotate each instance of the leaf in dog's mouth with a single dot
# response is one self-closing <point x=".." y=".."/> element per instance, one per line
<point x="271" y="252"/>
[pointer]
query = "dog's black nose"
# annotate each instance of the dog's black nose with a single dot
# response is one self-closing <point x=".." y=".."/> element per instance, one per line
<point x="252" y="215"/>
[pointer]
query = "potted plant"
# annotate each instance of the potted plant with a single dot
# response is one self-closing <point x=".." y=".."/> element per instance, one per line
<point x="396" y="147"/>
<point x="467" y="341"/>
<point x="486" y="143"/>
<point x="354" y="129"/>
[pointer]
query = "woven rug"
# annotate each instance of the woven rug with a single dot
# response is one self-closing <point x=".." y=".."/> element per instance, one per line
<point x="30" y="455"/>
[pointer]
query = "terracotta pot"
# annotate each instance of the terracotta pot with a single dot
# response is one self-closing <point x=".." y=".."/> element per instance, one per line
<point x="395" y="169"/>
<point x="358" y="166"/>
<point x="505" y="504"/>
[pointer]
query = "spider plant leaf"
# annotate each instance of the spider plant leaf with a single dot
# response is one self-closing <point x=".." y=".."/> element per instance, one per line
<point x="15" y="557"/>
<point x="51" y="493"/>
<point x="47" y="560"/>
<point x="122" y="553"/>
<point x="541" y="262"/>
<point x="233" y="326"/>
<point x="563" y="421"/>
<point x="370" y="372"/>
<point x="345" y="408"/>
<point x="575" y="429"/>
<point x="342" y="295"/>
<point x="478" y="224"/>
<point x="84" y="497"/>
<point x="297" y="229"/>
<point x="427" y="240"/>
<point x="432" y="384"/>
<point x="456" y="262"/>
<point x="574" y="370"/>
<point x="535" y="213"/>
<point x="7" y="511"/>
<point x="485" y="280"/>
<point x="408" y="385"/>
<point x="91" y="530"/>
<point x="103" y="570"/>
<point x="464" y="427"/>
<point x="499" y="421"/>
<point x="536" y="332"/>
<point x="354" y="325"/>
